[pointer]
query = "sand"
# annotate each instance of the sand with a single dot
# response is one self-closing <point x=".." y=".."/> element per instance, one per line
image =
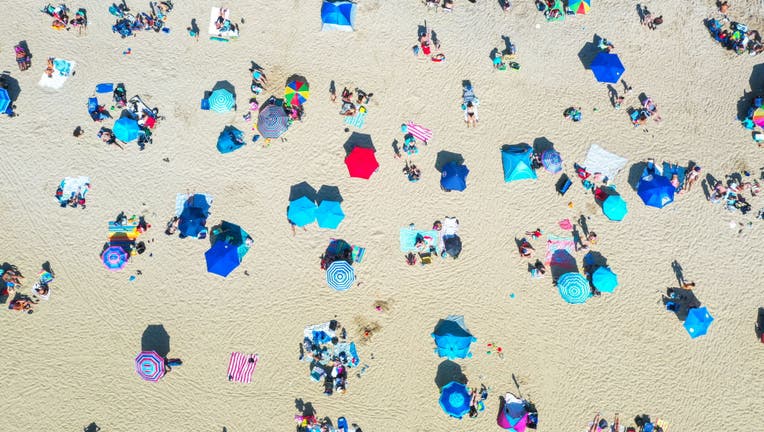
<point x="71" y="363"/>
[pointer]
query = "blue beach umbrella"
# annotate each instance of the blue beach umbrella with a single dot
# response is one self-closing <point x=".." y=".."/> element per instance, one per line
<point x="126" y="129"/>
<point x="340" y="275"/>
<point x="301" y="211"/>
<point x="574" y="288"/>
<point x="329" y="214"/>
<point x="604" y="280"/>
<point x="455" y="399"/>
<point x="5" y="100"/>
<point x="656" y="190"/>
<point x="221" y="101"/>
<point x="614" y="207"/>
<point x="607" y="67"/>
<point x="697" y="322"/>
<point x="454" y="177"/>
<point x="222" y="258"/>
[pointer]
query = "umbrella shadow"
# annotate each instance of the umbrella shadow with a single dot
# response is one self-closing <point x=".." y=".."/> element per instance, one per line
<point x="759" y="326"/>
<point x="225" y="85"/>
<point x="562" y="262"/>
<point x="445" y="157"/>
<point x="328" y="193"/>
<point x="11" y="84"/>
<point x="635" y="174"/>
<point x="228" y="231"/>
<point x="744" y="105"/>
<point x="92" y="427"/>
<point x="589" y="52"/>
<point x="129" y="114"/>
<point x="449" y="371"/>
<point x="542" y="144"/>
<point x="155" y="338"/>
<point x="300" y="190"/>
<point x="297" y="77"/>
<point x="756" y="80"/>
<point x="47" y="267"/>
<point x="594" y="260"/>
<point x="685" y="300"/>
<point x="358" y="140"/>
<point x="521" y="147"/>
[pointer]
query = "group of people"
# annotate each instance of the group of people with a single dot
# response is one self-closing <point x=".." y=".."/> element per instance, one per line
<point x="11" y="283"/>
<point x="75" y="198"/>
<point x="225" y="25"/>
<point x="737" y="37"/>
<point x="154" y="19"/>
<point x="648" y="19"/>
<point x="61" y="19"/>
<point x="648" y="110"/>
<point x="730" y="193"/>
<point x="352" y="103"/>
<point x="427" y="41"/>
<point x="326" y="361"/>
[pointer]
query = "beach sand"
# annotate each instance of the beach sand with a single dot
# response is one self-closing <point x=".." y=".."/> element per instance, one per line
<point x="71" y="362"/>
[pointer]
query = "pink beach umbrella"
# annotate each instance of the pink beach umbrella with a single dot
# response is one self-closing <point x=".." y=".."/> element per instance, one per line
<point x="114" y="258"/>
<point x="513" y="415"/>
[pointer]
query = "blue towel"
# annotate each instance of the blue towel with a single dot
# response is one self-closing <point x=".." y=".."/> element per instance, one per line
<point x="105" y="88"/>
<point x="357" y="120"/>
<point x="63" y="67"/>
<point x="408" y="238"/>
<point x="669" y="170"/>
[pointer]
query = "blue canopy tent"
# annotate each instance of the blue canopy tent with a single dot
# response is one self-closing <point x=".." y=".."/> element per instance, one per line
<point x="5" y="101"/>
<point x="452" y="338"/>
<point x="338" y="15"/>
<point x="126" y="129"/>
<point x="329" y="214"/>
<point x="604" y="279"/>
<point x="301" y="211"/>
<point x="455" y="399"/>
<point x="454" y="177"/>
<point x="656" y="190"/>
<point x="697" y="322"/>
<point x="614" y="207"/>
<point x="222" y="258"/>
<point x="607" y="67"/>
<point x="230" y="139"/>
<point x="517" y="163"/>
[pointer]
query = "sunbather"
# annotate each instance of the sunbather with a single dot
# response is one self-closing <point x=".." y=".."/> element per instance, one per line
<point x="470" y="115"/>
<point x="692" y="176"/>
<point x="525" y="249"/>
<point x="50" y="68"/>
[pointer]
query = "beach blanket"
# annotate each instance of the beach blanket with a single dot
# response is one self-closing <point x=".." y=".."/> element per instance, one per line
<point x="599" y="160"/>
<point x="241" y="367"/>
<point x="181" y="199"/>
<point x="62" y="70"/>
<point x="224" y="32"/>
<point x="559" y="252"/>
<point x="357" y="120"/>
<point x="449" y="228"/>
<point x="420" y="132"/>
<point x="408" y="238"/>
<point x="358" y="252"/>
<point x="73" y="186"/>
<point x="349" y="352"/>
<point x="670" y="169"/>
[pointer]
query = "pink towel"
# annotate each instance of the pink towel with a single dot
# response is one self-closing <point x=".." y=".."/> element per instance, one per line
<point x="566" y="225"/>
<point x="241" y="367"/>
<point x="419" y="132"/>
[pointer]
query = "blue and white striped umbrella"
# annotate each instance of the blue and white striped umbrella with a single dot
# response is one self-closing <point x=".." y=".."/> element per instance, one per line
<point x="574" y="288"/>
<point x="221" y="101"/>
<point x="340" y="275"/>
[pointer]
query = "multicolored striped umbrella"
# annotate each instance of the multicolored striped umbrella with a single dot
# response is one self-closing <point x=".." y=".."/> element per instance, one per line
<point x="758" y="117"/>
<point x="150" y="366"/>
<point x="574" y="288"/>
<point x="580" y="7"/>
<point x="296" y="92"/>
<point x="272" y="121"/>
<point x="114" y="258"/>
<point x="221" y="101"/>
<point x="340" y="275"/>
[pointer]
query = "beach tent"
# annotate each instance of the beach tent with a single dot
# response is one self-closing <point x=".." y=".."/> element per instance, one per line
<point x="329" y="214"/>
<point x="301" y="211"/>
<point x="5" y="100"/>
<point x="517" y="163"/>
<point x="230" y="139"/>
<point x="580" y="7"/>
<point x="221" y="101"/>
<point x="656" y="190"/>
<point x="552" y="161"/>
<point x="697" y="322"/>
<point x="607" y="67"/>
<point x="272" y="121"/>
<point x="340" y="275"/>
<point x="150" y="366"/>
<point x="599" y="160"/>
<point x="455" y="399"/>
<point x="338" y="15"/>
<point x="126" y="129"/>
<point x="574" y="288"/>
<point x="193" y="217"/>
<point x="222" y="258"/>
<point x="452" y="338"/>
<point x="513" y="414"/>
<point x="614" y="207"/>
<point x="361" y="162"/>
<point x="454" y="177"/>
<point x="604" y="279"/>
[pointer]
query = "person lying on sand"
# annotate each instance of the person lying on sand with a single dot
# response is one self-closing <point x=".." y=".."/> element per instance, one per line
<point x="525" y="249"/>
<point x="50" y="68"/>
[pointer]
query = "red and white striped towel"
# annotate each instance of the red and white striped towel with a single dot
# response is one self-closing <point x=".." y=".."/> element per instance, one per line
<point x="420" y="132"/>
<point x="241" y="367"/>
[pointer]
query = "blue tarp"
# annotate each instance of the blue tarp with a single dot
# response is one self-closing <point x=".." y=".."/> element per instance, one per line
<point x="656" y="190"/>
<point x="452" y="338"/>
<point x="338" y="15"/>
<point x="126" y="129"/>
<point x="230" y="139"/>
<point x="222" y="258"/>
<point x="517" y="163"/>
<point x="454" y="177"/>
<point x="607" y="67"/>
<point x="697" y="322"/>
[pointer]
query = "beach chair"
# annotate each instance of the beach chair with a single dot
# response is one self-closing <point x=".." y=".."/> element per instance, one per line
<point x="564" y="184"/>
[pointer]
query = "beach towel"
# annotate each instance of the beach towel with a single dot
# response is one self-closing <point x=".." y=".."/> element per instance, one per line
<point x="599" y="160"/>
<point x="241" y="367"/>
<point x="180" y="200"/>
<point x="670" y="169"/>
<point x="357" y="120"/>
<point x="420" y="132"/>
<point x="349" y="352"/>
<point x="358" y="252"/>
<point x="559" y="252"/>
<point x="62" y="70"/>
<point x="566" y="225"/>
<point x="408" y="238"/>
<point x="223" y="32"/>
<point x="73" y="186"/>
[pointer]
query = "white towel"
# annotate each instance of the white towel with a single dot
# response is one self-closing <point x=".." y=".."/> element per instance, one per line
<point x="57" y="80"/>
<point x="213" y="31"/>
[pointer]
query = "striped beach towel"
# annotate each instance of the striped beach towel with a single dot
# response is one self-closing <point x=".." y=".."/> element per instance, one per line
<point x="241" y="367"/>
<point x="357" y="120"/>
<point x="420" y="132"/>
